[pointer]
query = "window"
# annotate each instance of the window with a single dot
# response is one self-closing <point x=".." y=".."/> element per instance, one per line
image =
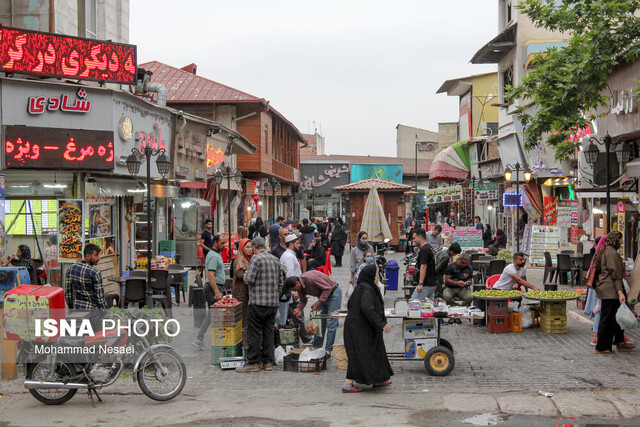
<point x="88" y="18"/>
<point x="507" y="81"/>
<point x="29" y="217"/>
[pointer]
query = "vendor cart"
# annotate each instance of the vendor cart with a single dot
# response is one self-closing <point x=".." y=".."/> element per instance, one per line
<point x="428" y="346"/>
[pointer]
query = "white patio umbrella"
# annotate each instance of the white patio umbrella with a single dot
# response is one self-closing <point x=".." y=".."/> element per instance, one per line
<point x="374" y="221"/>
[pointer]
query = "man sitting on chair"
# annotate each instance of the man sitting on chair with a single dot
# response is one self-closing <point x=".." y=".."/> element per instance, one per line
<point x="514" y="275"/>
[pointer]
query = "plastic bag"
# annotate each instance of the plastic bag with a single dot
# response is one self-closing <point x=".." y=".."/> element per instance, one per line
<point x="350" y="290"/>
<point x="527" y="320"/>
<point x="625" y="284"/>
<point x="308" y="355"/>
<point x="317" y="323"/>
<point x="625" y="318"/>
<point x="279" y="354"/>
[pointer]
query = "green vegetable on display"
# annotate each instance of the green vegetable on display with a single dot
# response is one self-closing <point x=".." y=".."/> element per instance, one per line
<point x="551" y="294"/>
<point x="497" y="293"/>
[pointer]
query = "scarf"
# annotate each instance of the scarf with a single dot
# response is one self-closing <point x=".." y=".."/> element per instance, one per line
<point x="363" y="246"/>
<point x="25" y="259"/>
<point x="242" y="260"/>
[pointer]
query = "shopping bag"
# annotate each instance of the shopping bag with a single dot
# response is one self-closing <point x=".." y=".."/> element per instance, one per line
<point x="591" y="278"/>
<point x="625" y="318"/>
<point x="317" y="323"/>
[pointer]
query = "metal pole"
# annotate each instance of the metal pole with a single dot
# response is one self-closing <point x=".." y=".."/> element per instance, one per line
<point x="148" y="291"/>
<point x="415" y="196"/>
<point x="229" y="211"/>
<point x="517" y="208"/>
<point x="607" y="146"/>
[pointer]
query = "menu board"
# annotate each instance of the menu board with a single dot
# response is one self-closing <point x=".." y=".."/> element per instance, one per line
<point x="544" y="238"/>
<point x="574" y="223"/>
<point x="468" y="238"/>
<point x="443" y="194"/>
<point x="100" y="220"/>
<point x="550" y="210"/>
<point x="70" y="230"/>
<point x="487" y="191"/>
<point x="620" y="209"/>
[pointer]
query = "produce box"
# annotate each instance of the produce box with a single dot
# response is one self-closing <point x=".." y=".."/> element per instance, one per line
<point x="291" y="363"/>
<point x="167" y="245"/>
<point x="418" y="348"/>
<point x="422" y="328"/>
<point x="226" y="315"/>
<point x="515" y="322"/>
<point x="497" y="308"/>
<point x="26" y="303"/>
<point x="553" y="309"/>
<point x="553" y="325"/>
<point x="498" y="324"/>
<point x="220" y="352"/>
<point x="226" y="335"/>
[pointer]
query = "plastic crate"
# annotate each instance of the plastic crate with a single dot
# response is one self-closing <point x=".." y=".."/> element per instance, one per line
<point x="498" y="324"/>
<point x="221" y="352"/>
<point x="515" y="322"/>
<point x="535" y="316"/>
<point x="497" y="308"/>
<point x="291" y="363"/>
<point x="226" y="335"/>
<point x="226" y="316"/>
<point x="554" y="309"/>
<point x="167" y="245"/>
<point x="553" y="324"/>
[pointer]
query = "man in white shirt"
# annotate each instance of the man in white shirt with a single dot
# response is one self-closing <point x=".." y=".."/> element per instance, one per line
<point x="514" y="275"/>
<point x="434" y="239"/>
<point x="289" y="261"/>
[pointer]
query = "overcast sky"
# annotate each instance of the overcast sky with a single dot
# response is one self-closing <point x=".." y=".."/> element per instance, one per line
<point x="356" y="68"/>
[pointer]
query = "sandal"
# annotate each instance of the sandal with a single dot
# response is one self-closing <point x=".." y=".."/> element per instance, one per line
<point x="383" y="384"/>
<point x="605" y="352"/>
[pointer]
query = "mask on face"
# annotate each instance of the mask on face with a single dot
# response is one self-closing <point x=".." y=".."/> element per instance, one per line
<point x="369" y="259"/>
<point x="522" y="264"/>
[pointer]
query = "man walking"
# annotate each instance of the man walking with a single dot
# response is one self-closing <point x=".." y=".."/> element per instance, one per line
<point x="264" y="278"/>
<point x="273" y="232"/>
<point x="424" y="272"/>
<point x="329" y="295"/>
<point x="83" y="289"/>
<point x="216" y="278"/>
<point x="280" y="248"/>
<point x="206" y="242"/>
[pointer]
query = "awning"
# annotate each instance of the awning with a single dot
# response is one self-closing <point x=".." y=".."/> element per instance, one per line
<point x="451" y="164"/>
<point x="496" y="49"/>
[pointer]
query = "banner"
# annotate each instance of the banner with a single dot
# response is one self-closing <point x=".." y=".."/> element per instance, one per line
<point x="361" y="172"/>
<point x="574" y="223"/>
<point x="443" y="194"/>
<point x="446" y="234"/>
<point x="2" y="230"/>
<point x="70" y="231"/>
<point x="468" y="238"/>
<point x="487" y="191"/>
<point x="550" y="210"/>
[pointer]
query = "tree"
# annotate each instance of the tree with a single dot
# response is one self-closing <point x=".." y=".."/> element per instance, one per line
<point x="566" y="86"/>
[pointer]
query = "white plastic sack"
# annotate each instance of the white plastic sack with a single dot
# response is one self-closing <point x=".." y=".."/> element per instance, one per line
<point x="625" y="318"/>
<point x="350" y="290"/>
<point x="527" y="320"/>
<point x="279" y="354"/>
<point x="625" y="284"/>
<point x="307" y="355"/>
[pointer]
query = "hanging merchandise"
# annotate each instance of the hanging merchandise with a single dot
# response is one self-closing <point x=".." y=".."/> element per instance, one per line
<point x="544" y="238"/>
<point x="621" y="225"/>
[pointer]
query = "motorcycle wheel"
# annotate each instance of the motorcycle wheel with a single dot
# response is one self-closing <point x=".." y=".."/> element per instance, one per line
<point x="158" y="385"/>
<point x="39" y="371"/>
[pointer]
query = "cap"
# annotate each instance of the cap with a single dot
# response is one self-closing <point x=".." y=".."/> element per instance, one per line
<point x="290" y="238"/>
<point x="315" y="231"/>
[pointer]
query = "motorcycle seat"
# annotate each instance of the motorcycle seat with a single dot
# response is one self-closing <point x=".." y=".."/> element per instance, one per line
<point x="71" y="341"/>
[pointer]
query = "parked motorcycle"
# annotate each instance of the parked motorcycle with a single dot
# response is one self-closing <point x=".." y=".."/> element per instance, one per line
<point x="52" y="379"/>
<point x="380" y="250"/>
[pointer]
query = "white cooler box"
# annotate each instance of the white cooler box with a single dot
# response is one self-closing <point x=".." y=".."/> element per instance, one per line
<point x="419" y="328"/>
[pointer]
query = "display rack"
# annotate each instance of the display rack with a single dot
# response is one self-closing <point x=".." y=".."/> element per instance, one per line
<point x="544" y="238"/>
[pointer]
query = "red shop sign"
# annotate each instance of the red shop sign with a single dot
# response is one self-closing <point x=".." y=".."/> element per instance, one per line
<point x="53" y="55"/>
<point x="53" y="148"/>
<point x="38" y="104"/>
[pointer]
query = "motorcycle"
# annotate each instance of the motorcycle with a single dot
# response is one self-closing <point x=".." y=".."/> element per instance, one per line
<point x="410" y="260"/>
<point x="52" y="379"/>
<point x="380" y="249"/>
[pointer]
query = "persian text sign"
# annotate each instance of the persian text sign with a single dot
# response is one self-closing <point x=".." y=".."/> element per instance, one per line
<point x="38" y="148"/>
<point x="469" y="239"/>
<point x="52" y="55"/>
<point x="70" y="230"/>
<point x="443" y="194"/>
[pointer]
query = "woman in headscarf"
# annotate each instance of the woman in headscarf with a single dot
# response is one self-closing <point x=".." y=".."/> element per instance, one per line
<point x="239" y="289"/>
<point x="357" y="253"/>
<point x="499" y="242"/>
<point x="23" y="257"/>
<point x="592" y="299"/>
<point x="338" y="242"/>
<point x="608" y="284"/>
<point x="368" y="362"/>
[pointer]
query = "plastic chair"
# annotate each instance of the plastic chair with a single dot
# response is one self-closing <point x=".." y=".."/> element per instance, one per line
<point x="134" y="291"/>
<point x="197" y="285"/>
<point x="474" y="257"/>
<point x="586" y="261"/>
<point x="138" y="273"/>
<point x="549" y="269"/>
<point x="496" y="266"/>
<point x="326" y="268"/>
<point x="161" y="289"/>
<point x="491" y="280"/>
<point x="564" y="267"/>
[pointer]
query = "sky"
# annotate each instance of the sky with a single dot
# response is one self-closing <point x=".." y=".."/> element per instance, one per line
<point x="354" y="68"/>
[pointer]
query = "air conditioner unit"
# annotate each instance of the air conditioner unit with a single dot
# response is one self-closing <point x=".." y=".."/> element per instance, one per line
<point x="492" y="126"/>
<point x="429" y="146"/>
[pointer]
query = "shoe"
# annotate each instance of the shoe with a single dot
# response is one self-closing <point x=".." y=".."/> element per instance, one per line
<point x="605" y="352"/>
<point x="383" y="384"/>
<point x="355" y="387"/>
<point x="625" y="346"/>
<point x="248" y="368"/>
<point x="267" y="366"/>
<point x="594" y="341"/>
<point x="629" y="340"/>
<point x="199" y="345"/>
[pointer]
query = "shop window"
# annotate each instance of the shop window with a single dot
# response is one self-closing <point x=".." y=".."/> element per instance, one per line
<point x="29" y="217"/>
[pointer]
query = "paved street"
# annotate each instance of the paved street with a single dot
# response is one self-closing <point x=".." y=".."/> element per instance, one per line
<point x="494" y="373"/>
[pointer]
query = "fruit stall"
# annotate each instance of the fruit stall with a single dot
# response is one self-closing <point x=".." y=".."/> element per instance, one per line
<point x="226" y="333"/>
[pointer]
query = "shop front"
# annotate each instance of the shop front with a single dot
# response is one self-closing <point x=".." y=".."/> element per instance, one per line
<point x="317" y="198"/>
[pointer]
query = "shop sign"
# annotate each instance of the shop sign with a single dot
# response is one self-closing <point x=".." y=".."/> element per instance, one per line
<point x="362" y="172"/>
<point x="487" y="191"/>
<point x="200" y="174"/>
<point x="512" y="199"/>
<point x="181" y="171"/>
<point x="574" y="223"/>
<point x="38" y="104"/>
<point x="468" y="238"/>
<point x="189" y="145"/>
<point x="95" y="193"/>
<point x="152" y="139"/>
<point x="125" y="128"/>
<point x="321" y="178"/>
<point x="53" y="55"/>
<point x="48" y="148"/>
<point x="621" y="225"/>
<point x="70" y="230"/>
<point x="443" y="194"/>
<point x="215" y="154"/>
<point x="100" y="220"/>
<point x="623" y="102"/>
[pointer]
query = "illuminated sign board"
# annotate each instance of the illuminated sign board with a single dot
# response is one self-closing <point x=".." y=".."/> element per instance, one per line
<point x="51" y="148"/>
<point x="53" y="55"/>
<point x="512" y="199"/>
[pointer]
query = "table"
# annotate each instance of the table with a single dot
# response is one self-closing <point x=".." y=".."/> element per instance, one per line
<point x="173" y="281"/>
<point x="122" y="280"/>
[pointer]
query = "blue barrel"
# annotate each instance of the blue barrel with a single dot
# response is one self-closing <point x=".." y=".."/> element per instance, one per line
<point x="392" y="272"/>
<point x="10" y="277"/>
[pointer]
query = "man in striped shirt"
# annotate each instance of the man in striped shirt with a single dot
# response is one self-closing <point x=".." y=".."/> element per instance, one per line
<point x="83" y="289"/>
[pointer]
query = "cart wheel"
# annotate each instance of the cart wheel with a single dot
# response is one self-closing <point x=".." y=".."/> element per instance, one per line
<point x="446" y="343"/>
<point x="439" y="361"/>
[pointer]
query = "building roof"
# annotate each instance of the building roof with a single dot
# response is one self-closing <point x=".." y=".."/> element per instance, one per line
<point x="379" y="184"/>
<point x="185" y="87"/>
<point x="461" y="85"/>
<point x="408" y="165"/>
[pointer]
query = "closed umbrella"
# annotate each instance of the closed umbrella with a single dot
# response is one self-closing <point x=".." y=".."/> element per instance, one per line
<point x="374" y="221"/>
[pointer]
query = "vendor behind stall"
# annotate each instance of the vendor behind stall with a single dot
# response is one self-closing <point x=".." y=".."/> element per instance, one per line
<point x="457" y="280"/>
<point x="514" y="276"/>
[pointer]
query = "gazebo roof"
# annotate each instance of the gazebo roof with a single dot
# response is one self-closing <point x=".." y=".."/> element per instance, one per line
<point x="381" y="186"/>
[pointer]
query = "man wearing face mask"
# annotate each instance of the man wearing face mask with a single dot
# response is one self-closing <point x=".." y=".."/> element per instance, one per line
<point x="514" y="275"/>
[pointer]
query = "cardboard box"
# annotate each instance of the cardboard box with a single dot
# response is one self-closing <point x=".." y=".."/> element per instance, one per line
<point x="26" y="303"/>
<point x="417" y="349"/>
<point x="423" y="328"/>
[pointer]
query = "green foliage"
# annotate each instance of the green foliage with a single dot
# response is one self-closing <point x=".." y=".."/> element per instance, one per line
<point x="505" y="254"/>
<point x="567" y="84"/>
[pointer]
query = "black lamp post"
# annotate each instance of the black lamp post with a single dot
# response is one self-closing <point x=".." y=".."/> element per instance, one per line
<point x="228" y="172"/>
<point x="133" y="165"/>
<point x="508" y="174"/>
<point x="623" y="153"/>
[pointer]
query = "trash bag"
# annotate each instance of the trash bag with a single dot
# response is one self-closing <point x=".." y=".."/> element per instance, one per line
<point x="279" y="354"/>
<point x="527" y="320"/>
<point x="625" y="318"/>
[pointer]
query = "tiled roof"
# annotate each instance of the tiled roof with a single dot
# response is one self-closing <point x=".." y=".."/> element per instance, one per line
<point x="368" y="183"/>
<point x="408" y="165"/>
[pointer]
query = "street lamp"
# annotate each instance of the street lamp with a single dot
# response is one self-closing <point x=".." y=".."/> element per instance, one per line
<point x="623" y="153"/>
<point x="133" y="165"/>
<point x="508" y="175"/>
<point x="275" y="186"/>
<point x="228" y="172"/>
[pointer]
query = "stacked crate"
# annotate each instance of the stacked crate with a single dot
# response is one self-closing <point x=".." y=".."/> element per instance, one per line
<point x="553" y="317"/>
<point x="498" y="316"/>
<point x="226" y="332"/>
<point x="167" y="248"/>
